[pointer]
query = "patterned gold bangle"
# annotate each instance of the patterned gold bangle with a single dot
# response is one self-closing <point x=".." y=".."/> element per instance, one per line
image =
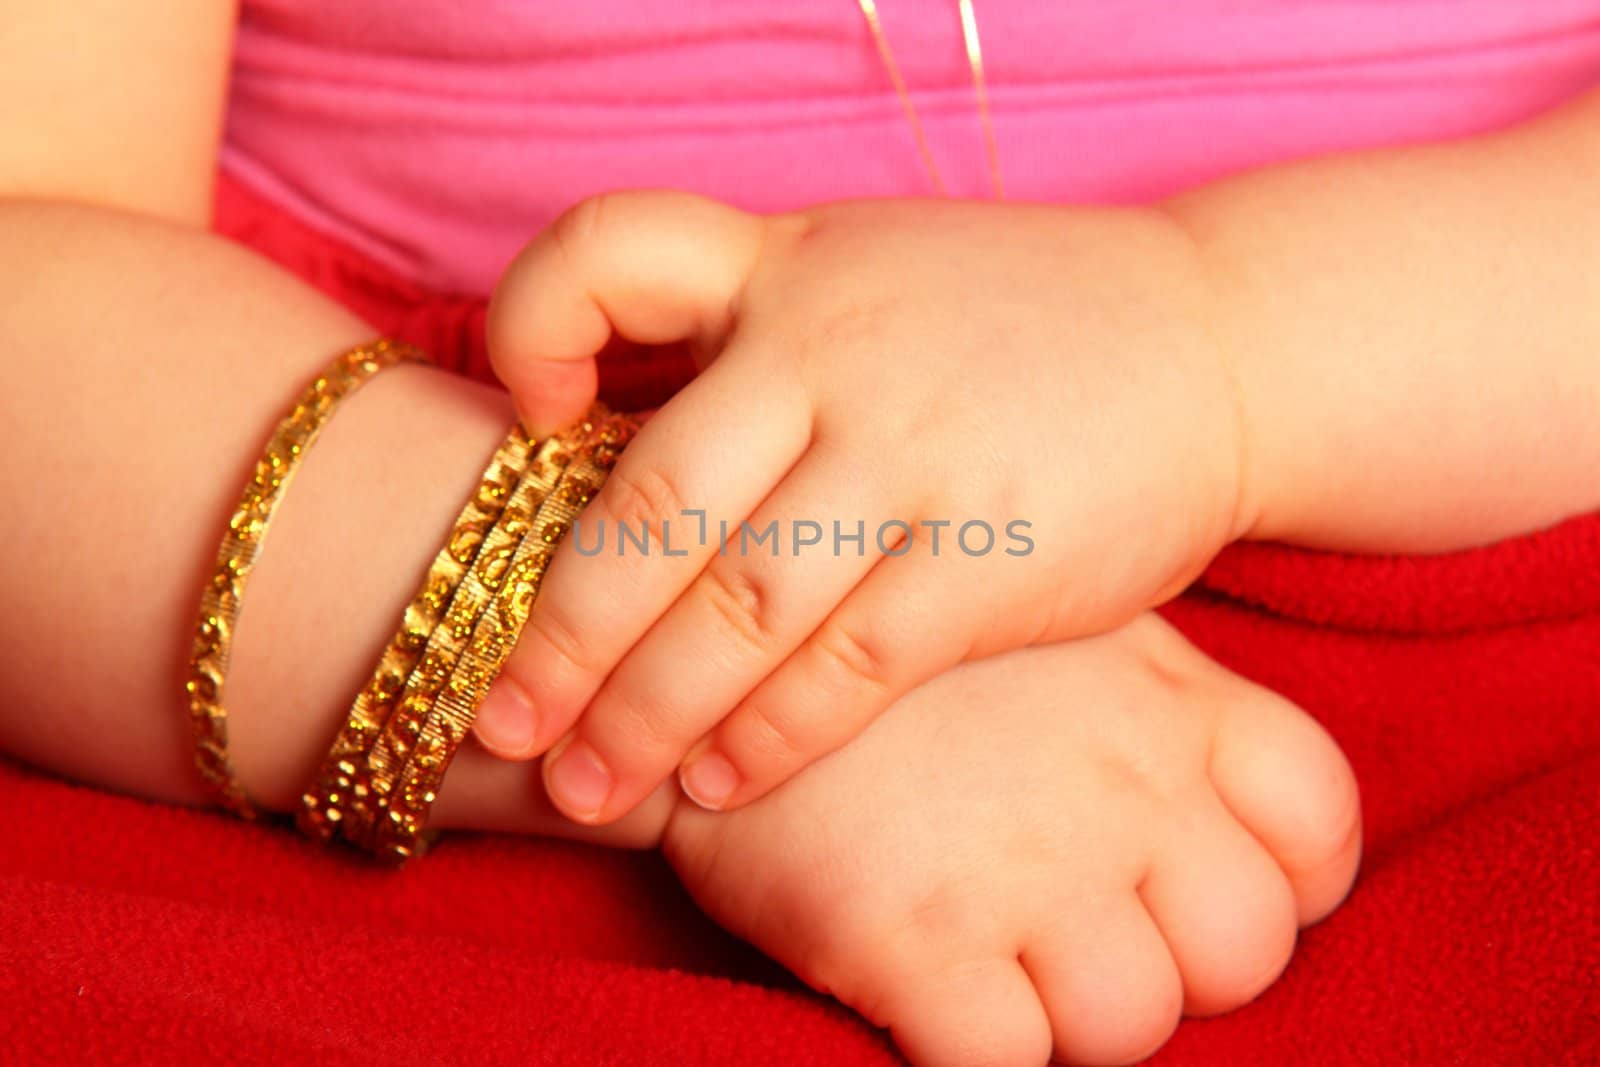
<point x="384" y="770"/>
<point x="241" y="543"/>
<point x="341" y="791"/>
<point x="456" y="698"/>
<point x="376" y="771"/>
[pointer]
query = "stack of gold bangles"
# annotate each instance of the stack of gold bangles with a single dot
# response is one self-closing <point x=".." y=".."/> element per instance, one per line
<point x="388" y="760"/>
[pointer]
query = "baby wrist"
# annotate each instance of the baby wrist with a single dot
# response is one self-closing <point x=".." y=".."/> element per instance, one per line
<point x="1265" y="433"/>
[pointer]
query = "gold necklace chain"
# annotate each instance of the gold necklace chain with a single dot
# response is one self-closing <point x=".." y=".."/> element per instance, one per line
<point x="969" y="34"/>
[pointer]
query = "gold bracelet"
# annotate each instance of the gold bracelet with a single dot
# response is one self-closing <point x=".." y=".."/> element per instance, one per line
<point x="340" y="792"/>
<point x="247" y="528"/>
<point x="375" y="772"/>
<point x="383" y="773"/>
<point x="399" y="835"/>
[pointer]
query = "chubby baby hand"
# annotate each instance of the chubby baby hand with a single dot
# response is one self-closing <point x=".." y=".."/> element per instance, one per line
<point x="1053" y="852"/>
<point x="925" y="432"/>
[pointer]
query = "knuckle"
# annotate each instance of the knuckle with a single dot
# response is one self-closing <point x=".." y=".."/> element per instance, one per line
<point x="856" y="322"/>
<point x="546" y="626"/>
<point x="854" y="657"/>
<point x="579" y="226"/>
<point x="775" y="735"/>
<point x="833" y="327"/>
<point x="639" y="727"/>
<point x="1168" y="661"/>
<point x="641" y="498"/>
<point x="742" y="601"/>
<point x="1169" y="680"/>
<point x="948" y="913"/>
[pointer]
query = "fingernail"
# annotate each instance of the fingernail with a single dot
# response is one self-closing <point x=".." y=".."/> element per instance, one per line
<point x="709" y="780"/>
<point x="578" y="780"/>
<point x="507" y="722"/>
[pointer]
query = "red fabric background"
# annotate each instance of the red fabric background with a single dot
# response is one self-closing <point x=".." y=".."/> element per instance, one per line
<point x="1465" y="689"/>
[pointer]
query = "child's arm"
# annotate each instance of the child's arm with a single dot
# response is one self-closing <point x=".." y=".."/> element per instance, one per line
<point x="1417" y="335"/>
<point x="113" y="103"/>
<point x="145" y="363"/>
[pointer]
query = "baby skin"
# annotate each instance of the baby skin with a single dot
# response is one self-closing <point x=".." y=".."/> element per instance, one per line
<point x="1033" y="848"/>
<point x="1039" y="848"/>
<point x="1053" y="853"/>
<point x="1056" y="849"/>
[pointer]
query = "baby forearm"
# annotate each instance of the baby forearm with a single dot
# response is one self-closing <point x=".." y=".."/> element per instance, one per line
<point x="146" y="366"/>
<point x="1416" y="334"/>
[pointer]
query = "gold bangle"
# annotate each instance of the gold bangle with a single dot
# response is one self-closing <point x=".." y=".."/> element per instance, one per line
<point x="393" y="748"/>
<point x="456" y="699"/>
<point x="375" y="771"/>
<point x="383" y="774"/>
<point x="247" y="529"/>
<point x="339" y="793"/>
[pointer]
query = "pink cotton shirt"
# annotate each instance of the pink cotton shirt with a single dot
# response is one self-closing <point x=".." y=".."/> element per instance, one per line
<point x="438" y="136"/>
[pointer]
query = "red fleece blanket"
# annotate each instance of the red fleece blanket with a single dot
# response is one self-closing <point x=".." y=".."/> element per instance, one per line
<point x="1465" y="690"/>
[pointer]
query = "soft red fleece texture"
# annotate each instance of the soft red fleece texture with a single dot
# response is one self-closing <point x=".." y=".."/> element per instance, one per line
<point x="1465" y="690"/>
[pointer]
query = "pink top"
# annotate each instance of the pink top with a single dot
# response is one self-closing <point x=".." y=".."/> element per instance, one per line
<point x="438" y="136"/>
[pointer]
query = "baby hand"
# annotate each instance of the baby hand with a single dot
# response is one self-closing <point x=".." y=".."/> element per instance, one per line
<point x="949" y="430"/>
<point x="1057" y="850"/>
